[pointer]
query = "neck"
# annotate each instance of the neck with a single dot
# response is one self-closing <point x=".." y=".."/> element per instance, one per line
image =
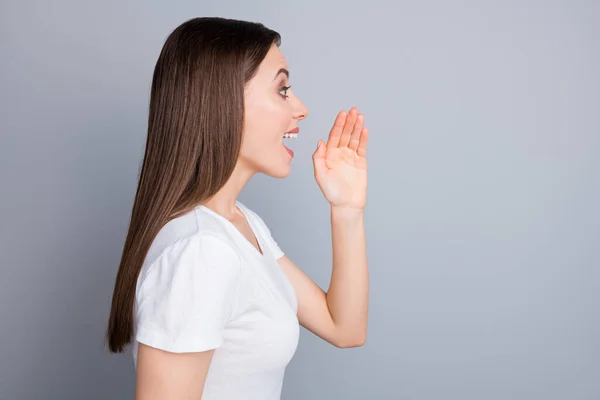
<point x="224" y="201"/>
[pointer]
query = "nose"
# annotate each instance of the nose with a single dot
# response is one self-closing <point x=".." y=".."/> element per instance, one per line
<point x="301" y="111"/>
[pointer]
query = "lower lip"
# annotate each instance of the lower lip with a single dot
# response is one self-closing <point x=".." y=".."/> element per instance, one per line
<point x="289" y="151"/>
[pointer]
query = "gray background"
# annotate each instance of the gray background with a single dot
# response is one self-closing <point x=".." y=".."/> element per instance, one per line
<point x="482" y="218"/>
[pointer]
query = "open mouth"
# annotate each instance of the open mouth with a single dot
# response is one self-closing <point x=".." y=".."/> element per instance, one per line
<point x="290" y="135"/>
<point x="293" y="134"/>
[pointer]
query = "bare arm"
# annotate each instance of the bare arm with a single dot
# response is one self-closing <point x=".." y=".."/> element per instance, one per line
<point x="340" y="314"/>
<point x="164" y="375"/>
<point x="348" y="294"/>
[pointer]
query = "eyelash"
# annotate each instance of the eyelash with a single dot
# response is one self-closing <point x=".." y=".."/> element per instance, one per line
<point x="285" y="88"/>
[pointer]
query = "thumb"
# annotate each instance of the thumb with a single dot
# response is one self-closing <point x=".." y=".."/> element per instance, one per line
<point x="319" y="156"/>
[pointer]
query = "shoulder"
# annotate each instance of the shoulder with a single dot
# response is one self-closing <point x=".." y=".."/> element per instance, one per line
<point x="201" y="253"/>
<point x="195" y="229"/>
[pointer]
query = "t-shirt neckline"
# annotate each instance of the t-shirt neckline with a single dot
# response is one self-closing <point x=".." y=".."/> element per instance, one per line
<point x="261" y="252"/>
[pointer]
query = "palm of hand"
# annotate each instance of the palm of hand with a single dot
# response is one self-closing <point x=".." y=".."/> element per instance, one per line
<point x="341" y="165"/>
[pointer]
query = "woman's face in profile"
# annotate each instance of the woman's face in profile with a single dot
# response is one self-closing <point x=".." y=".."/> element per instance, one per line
<point x="270" y="111"/>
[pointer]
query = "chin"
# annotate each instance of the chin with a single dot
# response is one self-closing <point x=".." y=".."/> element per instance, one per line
<point x="276" y="163"/>
<point x="279" y="172"/>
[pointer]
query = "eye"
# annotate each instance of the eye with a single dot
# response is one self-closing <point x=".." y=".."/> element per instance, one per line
<point x="286" y="88"/>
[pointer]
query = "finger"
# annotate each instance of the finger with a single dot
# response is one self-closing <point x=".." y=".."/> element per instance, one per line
<point x="364" y="141"/>
<point x="348" y="126"/>
<point x="355" y="137"/>
<point x="336" y="130"/>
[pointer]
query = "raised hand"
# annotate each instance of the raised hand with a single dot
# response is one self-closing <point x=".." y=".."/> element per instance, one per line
<point x="340" y="165"/>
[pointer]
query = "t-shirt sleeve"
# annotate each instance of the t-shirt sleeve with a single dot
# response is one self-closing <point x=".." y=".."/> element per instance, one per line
<point x="187" y="296"/>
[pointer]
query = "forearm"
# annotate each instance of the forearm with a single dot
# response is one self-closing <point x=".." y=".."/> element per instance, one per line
<point x="348" y="294"/>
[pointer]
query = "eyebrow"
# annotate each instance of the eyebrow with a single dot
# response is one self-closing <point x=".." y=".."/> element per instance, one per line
<point x="282" y="71"/>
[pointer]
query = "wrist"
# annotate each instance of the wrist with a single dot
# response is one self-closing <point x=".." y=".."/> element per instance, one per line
<point x="347" y="212"/>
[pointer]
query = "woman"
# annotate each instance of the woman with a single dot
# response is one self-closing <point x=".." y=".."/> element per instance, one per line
<point x="209" y="301"/>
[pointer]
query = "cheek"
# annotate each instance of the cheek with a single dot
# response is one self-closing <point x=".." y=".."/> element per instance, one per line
<point x="267" y="121"/>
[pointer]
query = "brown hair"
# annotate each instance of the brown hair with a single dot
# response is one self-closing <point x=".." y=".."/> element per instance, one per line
<point x="194" y="136"/>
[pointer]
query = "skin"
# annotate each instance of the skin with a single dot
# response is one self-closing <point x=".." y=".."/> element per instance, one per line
<point x="339" y="315"/>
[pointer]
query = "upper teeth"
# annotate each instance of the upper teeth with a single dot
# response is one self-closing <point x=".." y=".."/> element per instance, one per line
<point x="288" y="135"/>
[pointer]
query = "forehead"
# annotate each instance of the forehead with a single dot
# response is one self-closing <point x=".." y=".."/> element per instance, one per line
<point x="273" y="61"/>
<point x="265" y="75"/>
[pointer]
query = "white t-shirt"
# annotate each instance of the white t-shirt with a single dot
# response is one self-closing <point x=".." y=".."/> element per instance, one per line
<point x="204" y="286"/>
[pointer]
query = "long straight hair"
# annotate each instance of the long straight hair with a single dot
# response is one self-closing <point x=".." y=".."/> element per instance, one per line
<point x="195" y="122"/>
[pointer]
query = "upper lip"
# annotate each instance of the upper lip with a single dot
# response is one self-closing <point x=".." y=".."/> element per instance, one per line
<point x="295" y="130"/>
